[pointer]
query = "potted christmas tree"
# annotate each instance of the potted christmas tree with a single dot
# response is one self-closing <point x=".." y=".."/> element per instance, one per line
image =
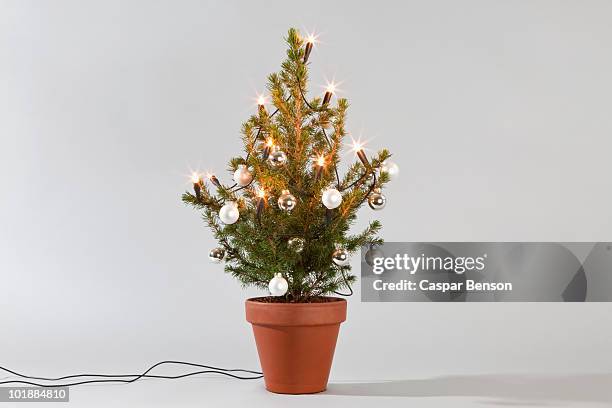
<point x="283" y="225"/>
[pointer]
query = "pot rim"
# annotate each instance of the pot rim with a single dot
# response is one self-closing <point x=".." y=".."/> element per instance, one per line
<point x="295" y="314"/>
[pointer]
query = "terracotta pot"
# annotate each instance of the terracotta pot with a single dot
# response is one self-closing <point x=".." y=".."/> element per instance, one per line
<point x="296" y="342"/>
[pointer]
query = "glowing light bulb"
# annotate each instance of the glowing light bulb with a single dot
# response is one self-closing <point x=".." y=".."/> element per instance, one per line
<point x="261" y="193"/>
<point x="321" y="161"/>
<point x="268" y="147"/>
<point x="310" y="41"/>
<point x="261" y="103"/>
<point x="197" y="184"/>
<point x="357" y="146"/>
<point x="358" y="149"/>
<point x="331" y="87"/>
<point x="320" y="167"/>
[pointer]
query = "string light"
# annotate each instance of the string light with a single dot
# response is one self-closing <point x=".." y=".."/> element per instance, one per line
<point x="195" y="177"/>
<point x="310" y="41"/>
<point x="261" y="103"/>
<point x="320" y="166"/>
<point x="261" y="193"/>
<point x="329" y="91"/>
<point x="213" y="179"/>
<point x="358" y="149"/>
<point x="197" y="184"/>
<point x="268" y="147"/>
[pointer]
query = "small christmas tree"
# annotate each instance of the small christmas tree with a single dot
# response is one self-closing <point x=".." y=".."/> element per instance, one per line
<point x="284" y="224"/>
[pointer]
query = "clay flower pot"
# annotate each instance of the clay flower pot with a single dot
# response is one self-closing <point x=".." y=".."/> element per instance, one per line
<point x="296" y="342"/>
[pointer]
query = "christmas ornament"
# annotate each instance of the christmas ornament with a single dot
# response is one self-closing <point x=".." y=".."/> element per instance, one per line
<point x="372" y="254"/>
<point x="216" y="255"/>
<point x="229" y="212"/>
<point x="331" y="198"/>
<point x="296" y="244"/>
<point x="242" y="176"/>
<point x="277" y="158"/>
<point x="278" y="285"/>
<point x="390" y="168"/>
<point x="286" y="201"/>
<point x="341" y="257"/>
<point x="376" y="200"/>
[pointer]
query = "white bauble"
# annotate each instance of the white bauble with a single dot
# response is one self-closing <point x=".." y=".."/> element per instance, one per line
<point x="278" y="285"/>
<point x="242" y="176"/>
<point x="331" y="198"/>
<point x="229" y="212"/>
<point x="390" y="168"/>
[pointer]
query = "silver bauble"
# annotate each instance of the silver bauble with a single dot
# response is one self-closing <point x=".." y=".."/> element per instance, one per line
<point x="277" y="158"/>
<point x="390" y="168"/>
<point x="376" y="200"/>
<point x="242" y="176"/>
<point x="331" y="198"/>
<point x="229" y="212"/>
<point x="216" y="255"/>
<point x="278" y="285"/>
<point x="286" y="201"/>
<point x="341" y="257"/>
<point x="296" y="244"/>
<point x="372" y="254"/>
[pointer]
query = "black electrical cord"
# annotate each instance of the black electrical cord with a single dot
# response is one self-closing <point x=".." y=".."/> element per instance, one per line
<point x="120" y="378"/>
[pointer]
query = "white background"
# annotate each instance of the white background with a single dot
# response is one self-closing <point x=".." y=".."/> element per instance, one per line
<point x="498" y="114"/>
